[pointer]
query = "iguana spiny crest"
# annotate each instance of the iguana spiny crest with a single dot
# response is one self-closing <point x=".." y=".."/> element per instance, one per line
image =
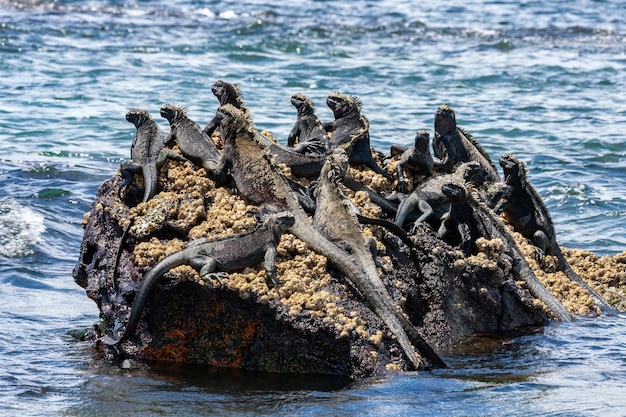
<point x="138" y="117"/>
<point x="238" y="121"/>
<point x="227" y="93"/>
<point x="303" y="104"/>
<point x="173" y="113"/>
<point x="342" y="105"/>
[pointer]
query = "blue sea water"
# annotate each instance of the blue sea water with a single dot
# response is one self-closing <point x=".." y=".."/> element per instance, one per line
<point x="543" y="80"/>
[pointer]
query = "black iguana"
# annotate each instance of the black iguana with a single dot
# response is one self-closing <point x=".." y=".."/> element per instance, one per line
<point x="193" y="144"/>
<point x="308" y="130"/>
<point x="350" y="130"/>
<point x="452" y="145"/>
<point x="226" y="93"/>
<point x="258" y="180"/>
<point x="209" y="256"/>
<point x="477" y="219"/>
<point x="416" y="159"/>
<point x="524" y="209"/>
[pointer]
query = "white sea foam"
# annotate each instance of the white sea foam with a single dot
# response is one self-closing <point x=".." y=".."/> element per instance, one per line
<point x="20" y="228"/>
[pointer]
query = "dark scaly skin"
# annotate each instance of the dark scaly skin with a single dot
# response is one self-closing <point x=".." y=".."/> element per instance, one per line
<point x="416" y="159"/>
<point x="308" y="130"/>
<point x="487" y="224"/>
<point x="226" y="93"/>
<point x="258" y="180"/>
<point x="524" y="209"/>
<point x="336" y="217"/>
<point x="453" y="146"/>
<point x="428" y="197"/>
<point x="228" y="254"/>
<point x="148" y="153"/>
<point x="459" y="216"/>
<point x="350" y="130"/>
<point x="193" y="144"/>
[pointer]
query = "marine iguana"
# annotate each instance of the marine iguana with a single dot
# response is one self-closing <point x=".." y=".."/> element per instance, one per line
<point x="301" y="165"/>
<point x="416" y="159"/>
<point x="452" y="145"/>
<point x="476" y="219"/>
<point x="524" y="209"/>
<point x="350" y="130"/>
<point x="258" y="180"/>
<point x="226" y="93"/>
<point x="308" y="130"/>
<point x="336" y="217"/>
<point x="460" y="216"/>
<point x="148" y="153"/>
<point x="429" y="198"/>
<point x="208" y="256"/>
<point x="193" y="144"/>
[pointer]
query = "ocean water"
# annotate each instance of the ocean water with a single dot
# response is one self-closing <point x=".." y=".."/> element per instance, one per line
<point x="543" y="80"/>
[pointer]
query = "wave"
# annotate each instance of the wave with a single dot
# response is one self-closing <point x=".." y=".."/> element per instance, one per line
<point x="20" y="228"/>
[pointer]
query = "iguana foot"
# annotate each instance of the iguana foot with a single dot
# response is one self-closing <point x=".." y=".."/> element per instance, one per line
<point x="215" y="275"/>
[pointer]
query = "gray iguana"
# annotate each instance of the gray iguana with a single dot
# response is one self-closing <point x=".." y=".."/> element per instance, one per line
<point x="452" y="145"/>
<point x="350" y="130"/>
<point x="193" y="144"/>
<point x="258" y="180"/>
<point x="336" y="217"/>
<point x="226" y="93"/>
<point x="209" y="256"/>
<point x="308" y="130"/>
<point x="428" y="197"/>
<point x="148" y="153"/>
<point x="524" y="209"/>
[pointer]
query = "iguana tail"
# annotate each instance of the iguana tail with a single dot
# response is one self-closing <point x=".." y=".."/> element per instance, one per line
<point x="149" y="280"/>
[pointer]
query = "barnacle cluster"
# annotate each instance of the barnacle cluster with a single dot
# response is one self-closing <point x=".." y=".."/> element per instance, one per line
<point x="189" y="202"/>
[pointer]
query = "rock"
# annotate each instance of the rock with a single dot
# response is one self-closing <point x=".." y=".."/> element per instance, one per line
<point x="316" y="322"/>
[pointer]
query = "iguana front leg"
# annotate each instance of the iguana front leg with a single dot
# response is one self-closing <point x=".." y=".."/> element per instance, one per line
<point x="166" y="154"/>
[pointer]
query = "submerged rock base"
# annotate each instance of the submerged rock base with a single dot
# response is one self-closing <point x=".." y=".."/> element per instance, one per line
<point x="316" y="321"/>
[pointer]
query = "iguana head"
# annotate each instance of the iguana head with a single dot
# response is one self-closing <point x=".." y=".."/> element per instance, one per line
<point x="342" y="105"/>
<point x="138" y="117"/>
<point x="512" y="167"/>
<point x="454" y="192"/>
<point x="422" y="139"/>
<point x="233" y="121"/>
<point x="473" y="172"/>
<point x="227" y="93"/>
<point x="445" y="120"/>
<point x="173" y="113"/>
<point x="302" y="103"/>
<point x="272" y="217"/>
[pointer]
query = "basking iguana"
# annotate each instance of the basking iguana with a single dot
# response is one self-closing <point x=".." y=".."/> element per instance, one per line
<point x="350" y="130"/>
<point x="524" y="209"/>
<point x="453" y="146"/>
<point x="474" y="219"/>
<point x="416" y="159"/>
<point x="247" y="160"/>
<point x="336" y="217"/>
<point x="428" y="197"/>
<point x="208" y="256"/>
<point x="308" y="130"/>
<point x="226" y="93"/>
<point x="148" y="153"/>
<point x="193" y="144"/>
